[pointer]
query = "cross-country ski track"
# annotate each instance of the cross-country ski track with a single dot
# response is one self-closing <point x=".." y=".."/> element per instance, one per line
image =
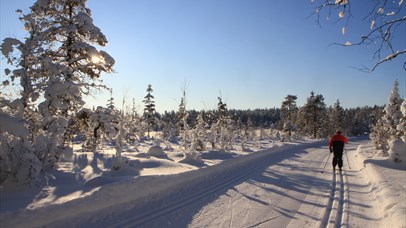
<point x="278" y="187"/>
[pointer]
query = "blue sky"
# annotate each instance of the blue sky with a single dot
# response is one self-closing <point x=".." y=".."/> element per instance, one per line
<point x="253" y="53"/>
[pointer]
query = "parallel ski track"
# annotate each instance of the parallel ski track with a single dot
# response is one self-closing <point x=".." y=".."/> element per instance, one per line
<point x="336" y="212"/>
<point x="142" y="219"/>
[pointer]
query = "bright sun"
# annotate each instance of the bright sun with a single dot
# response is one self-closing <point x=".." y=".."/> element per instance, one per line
<point x="95" y="59"/>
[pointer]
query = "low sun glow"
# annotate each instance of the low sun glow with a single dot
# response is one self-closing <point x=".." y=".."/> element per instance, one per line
<point x="95" y="59"/>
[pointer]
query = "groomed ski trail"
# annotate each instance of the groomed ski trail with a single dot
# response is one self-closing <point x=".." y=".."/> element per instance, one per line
<point x="280" y="187"/>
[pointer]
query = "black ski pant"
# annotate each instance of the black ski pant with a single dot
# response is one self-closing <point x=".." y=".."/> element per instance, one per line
<point x="338" y="159"/>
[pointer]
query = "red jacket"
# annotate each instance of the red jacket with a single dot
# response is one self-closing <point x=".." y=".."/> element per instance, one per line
<point x="337" y="137"/>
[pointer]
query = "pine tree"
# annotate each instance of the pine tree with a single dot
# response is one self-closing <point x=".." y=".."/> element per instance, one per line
<point x="222" y="123"/>
<point x="110" y="102"/>
<point x="337" y="117"/>
<point x="288" y="113"/>
<point x="386" y="127"/>
<point x="56" y="61"/>
<point x="313" y="116"/>
<point x="199" y="134"/>
<point x="72" y="65"/>
<point x="149" y="109"/>
<point x="393" y="114"/>
<point x="133" y="124"/>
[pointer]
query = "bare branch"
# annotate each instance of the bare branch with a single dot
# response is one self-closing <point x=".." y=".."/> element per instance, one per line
<point x="383" y="30"/>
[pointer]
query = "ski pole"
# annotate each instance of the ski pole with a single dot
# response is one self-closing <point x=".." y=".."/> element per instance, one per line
<point x="348" y="161"/>
<point x="326" y="163"/>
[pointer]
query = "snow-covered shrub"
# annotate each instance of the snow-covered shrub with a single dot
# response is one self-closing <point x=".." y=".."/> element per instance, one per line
<point x="117" y="162"/>
<point x="17" y="160"/>
<point x="98" y="124"/>
<point x="397" y="151"/>
<point x="197" y="143"/>
<point x="192" y="158"/>
<point x="156" y="150"/>
<point x="402" y="122"/>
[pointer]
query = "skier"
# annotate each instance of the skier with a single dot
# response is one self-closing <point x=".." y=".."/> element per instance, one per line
<point x="336" y="145"/>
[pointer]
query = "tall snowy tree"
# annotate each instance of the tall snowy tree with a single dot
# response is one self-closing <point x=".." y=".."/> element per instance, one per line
<point x="288" y="113"/>
<point x="386" y="127"/>
<point x="313" y="116"/>
<point x="199" y="134"/>
<point x="19" y="128"/>
<point x="72" y="64"/>
<point x="223" y="122"/>
<point x="337" y="117"/>
<point x="393" y="114"/>
<point x="149" y="110"/>
<point x="182" y="123"/>
<point x="58" y="60"/>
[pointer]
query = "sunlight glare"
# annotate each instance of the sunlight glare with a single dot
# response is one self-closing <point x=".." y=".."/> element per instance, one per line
<point x="95" y="59"/>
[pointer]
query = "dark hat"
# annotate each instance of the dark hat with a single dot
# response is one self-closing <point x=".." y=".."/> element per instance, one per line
<point x="338" y="132"/>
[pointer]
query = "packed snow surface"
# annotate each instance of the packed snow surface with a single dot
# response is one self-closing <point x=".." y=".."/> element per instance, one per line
<point x="272" y="185"/>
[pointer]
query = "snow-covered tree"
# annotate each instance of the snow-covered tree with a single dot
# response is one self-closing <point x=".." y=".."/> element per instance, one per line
<point x="288" y="114"/>
<point x="402" y="123"/>
<point x="222" y="123"/>
<point x="337" y="116"/>
<point x="386" y="128"/>
<point x="149" y="110"/>
<point x="72" y="64"/>
<point x="380" y="136"/>
<point x="19" y="126"/>
<point x="199" y="134"/>
<point x="393" y="114"/>
<point x="313" y="116"/>
<point x="58" y="60"/>
<point x="182" y="121"/>
<point x="133" y="123"/>
<point x="99" y="124"/>
<point x="110" y="101"/>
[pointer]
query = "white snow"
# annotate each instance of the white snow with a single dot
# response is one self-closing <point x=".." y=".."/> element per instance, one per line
<point x="279" y="185"/>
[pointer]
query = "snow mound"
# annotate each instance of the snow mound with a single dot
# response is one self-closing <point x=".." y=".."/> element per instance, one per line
<point x="193" y="158"/>
<point x="397" y="150"/>
<point x="156" y="151"/>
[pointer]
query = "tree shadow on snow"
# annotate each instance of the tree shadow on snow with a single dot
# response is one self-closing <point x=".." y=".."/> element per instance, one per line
<point x="386" y="163"/>
<point x="217" y="155"/>
<point x="301" y="183"/>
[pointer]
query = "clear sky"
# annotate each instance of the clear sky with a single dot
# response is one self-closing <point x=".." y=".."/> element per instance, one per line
<point x="253" y="53"/>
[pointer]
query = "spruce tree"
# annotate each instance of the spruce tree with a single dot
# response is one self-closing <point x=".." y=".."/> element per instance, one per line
<point x="58" y="60"/>
<point x="222" y="123"/>
<point x="337" y="117"/>
<point x="288" y="113"/>
<point x="386" y="127"/>
<point x="149" y="110"/>
<point x="313" y="116"/>
<point x="72" y="64"/>
<point x="393" y="114"/>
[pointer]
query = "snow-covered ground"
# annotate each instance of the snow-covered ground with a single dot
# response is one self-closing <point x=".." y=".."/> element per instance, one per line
<point x="271" y="185"/>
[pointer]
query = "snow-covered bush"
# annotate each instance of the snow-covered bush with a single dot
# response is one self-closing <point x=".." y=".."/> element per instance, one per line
<point x="192" y="158"/>
<point x="156" y="150"/>
<point x="199" y="135"/>
<point x="17" y="159"/>
<point x="402" y="123"/>
<point x="98" y="124"/>
<point x="397" y="151"/>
